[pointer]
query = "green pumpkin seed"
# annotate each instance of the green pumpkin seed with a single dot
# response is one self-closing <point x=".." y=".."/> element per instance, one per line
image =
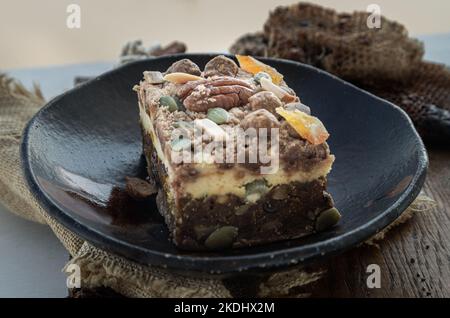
<point x="241" y="210"/>
<point x="201" y="231"/>
<point x="180" y="144"/>
<point x="218" y="115"/>
<point x="170" y="102"/>
<point x="222" y="238"/>
<point x="255" y="190"/>
<point x="327" y="219"/>
<point x="280" y="192"/>
<point x="260" y="75"/>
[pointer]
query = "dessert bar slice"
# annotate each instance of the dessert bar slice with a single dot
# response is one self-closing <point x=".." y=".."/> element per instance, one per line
<point x="239" y="159"/>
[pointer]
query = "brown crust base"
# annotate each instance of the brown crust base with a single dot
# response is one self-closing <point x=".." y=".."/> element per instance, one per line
<point x="272" y="218"/>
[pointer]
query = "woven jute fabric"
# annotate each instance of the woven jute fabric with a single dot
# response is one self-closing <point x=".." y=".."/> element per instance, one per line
<point x="384" y="61"/>
<point x="103" y="269"/>
<point x="342" y="42"/>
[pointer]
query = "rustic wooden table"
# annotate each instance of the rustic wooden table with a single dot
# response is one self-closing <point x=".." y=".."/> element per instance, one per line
<point x="414" y="258"/>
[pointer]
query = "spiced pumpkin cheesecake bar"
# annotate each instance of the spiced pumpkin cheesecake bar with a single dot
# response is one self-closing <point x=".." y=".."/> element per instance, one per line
<point x="239" y="159"/>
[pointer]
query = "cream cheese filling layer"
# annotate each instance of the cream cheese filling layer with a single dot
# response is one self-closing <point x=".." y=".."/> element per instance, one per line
<point x="213" y="181"/>
<point x="221" y="182"/>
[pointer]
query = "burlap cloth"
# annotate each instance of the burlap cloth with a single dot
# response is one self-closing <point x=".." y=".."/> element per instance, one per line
<point x="385" y="61"/>
<point x="102" y="269"/>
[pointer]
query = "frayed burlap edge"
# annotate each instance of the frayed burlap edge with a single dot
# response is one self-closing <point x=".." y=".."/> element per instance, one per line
<point x="17" y="90"/>
<point x="102" y="269"/>
<point x="17" y="106"/>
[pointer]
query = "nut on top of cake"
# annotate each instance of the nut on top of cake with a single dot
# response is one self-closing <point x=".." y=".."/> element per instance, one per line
<point x="239" y="157"/>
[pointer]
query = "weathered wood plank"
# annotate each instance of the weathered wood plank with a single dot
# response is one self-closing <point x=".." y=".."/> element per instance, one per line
<point x="414" y="258"/>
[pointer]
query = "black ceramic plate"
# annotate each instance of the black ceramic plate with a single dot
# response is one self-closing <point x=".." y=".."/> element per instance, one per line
<point x="78" y="149"/>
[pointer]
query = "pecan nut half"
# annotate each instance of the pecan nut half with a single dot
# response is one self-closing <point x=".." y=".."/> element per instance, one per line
<point x="184" y="66"/>
<point x="225" y="92"/>
<point x="220" y="66"/>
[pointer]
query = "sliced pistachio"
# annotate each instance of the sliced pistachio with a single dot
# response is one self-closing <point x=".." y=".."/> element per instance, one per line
<point x="170" y="102"/>
<point x="153" y="77"/>
<point x="327" y="219"/>
<point x="180" y="144"/>
<point x="218" y="115"/>
<point x="222" y="238"/>
<point x="260" y="75"/>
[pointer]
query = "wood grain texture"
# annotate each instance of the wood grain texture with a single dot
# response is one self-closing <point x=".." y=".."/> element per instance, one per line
<point x="414" y="258"/>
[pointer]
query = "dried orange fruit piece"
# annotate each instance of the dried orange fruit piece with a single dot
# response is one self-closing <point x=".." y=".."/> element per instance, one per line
<point x="253" y="66"/>
<point x="308" y="127"/>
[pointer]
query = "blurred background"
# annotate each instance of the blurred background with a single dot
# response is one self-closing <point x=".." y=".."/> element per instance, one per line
<point x="34" y="33"/>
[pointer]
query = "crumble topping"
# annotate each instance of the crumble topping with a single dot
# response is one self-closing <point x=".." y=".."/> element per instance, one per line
<point x="226" y="98"/>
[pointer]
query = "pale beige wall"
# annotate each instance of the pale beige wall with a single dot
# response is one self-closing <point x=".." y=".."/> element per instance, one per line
<point x="34" y="32"/>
